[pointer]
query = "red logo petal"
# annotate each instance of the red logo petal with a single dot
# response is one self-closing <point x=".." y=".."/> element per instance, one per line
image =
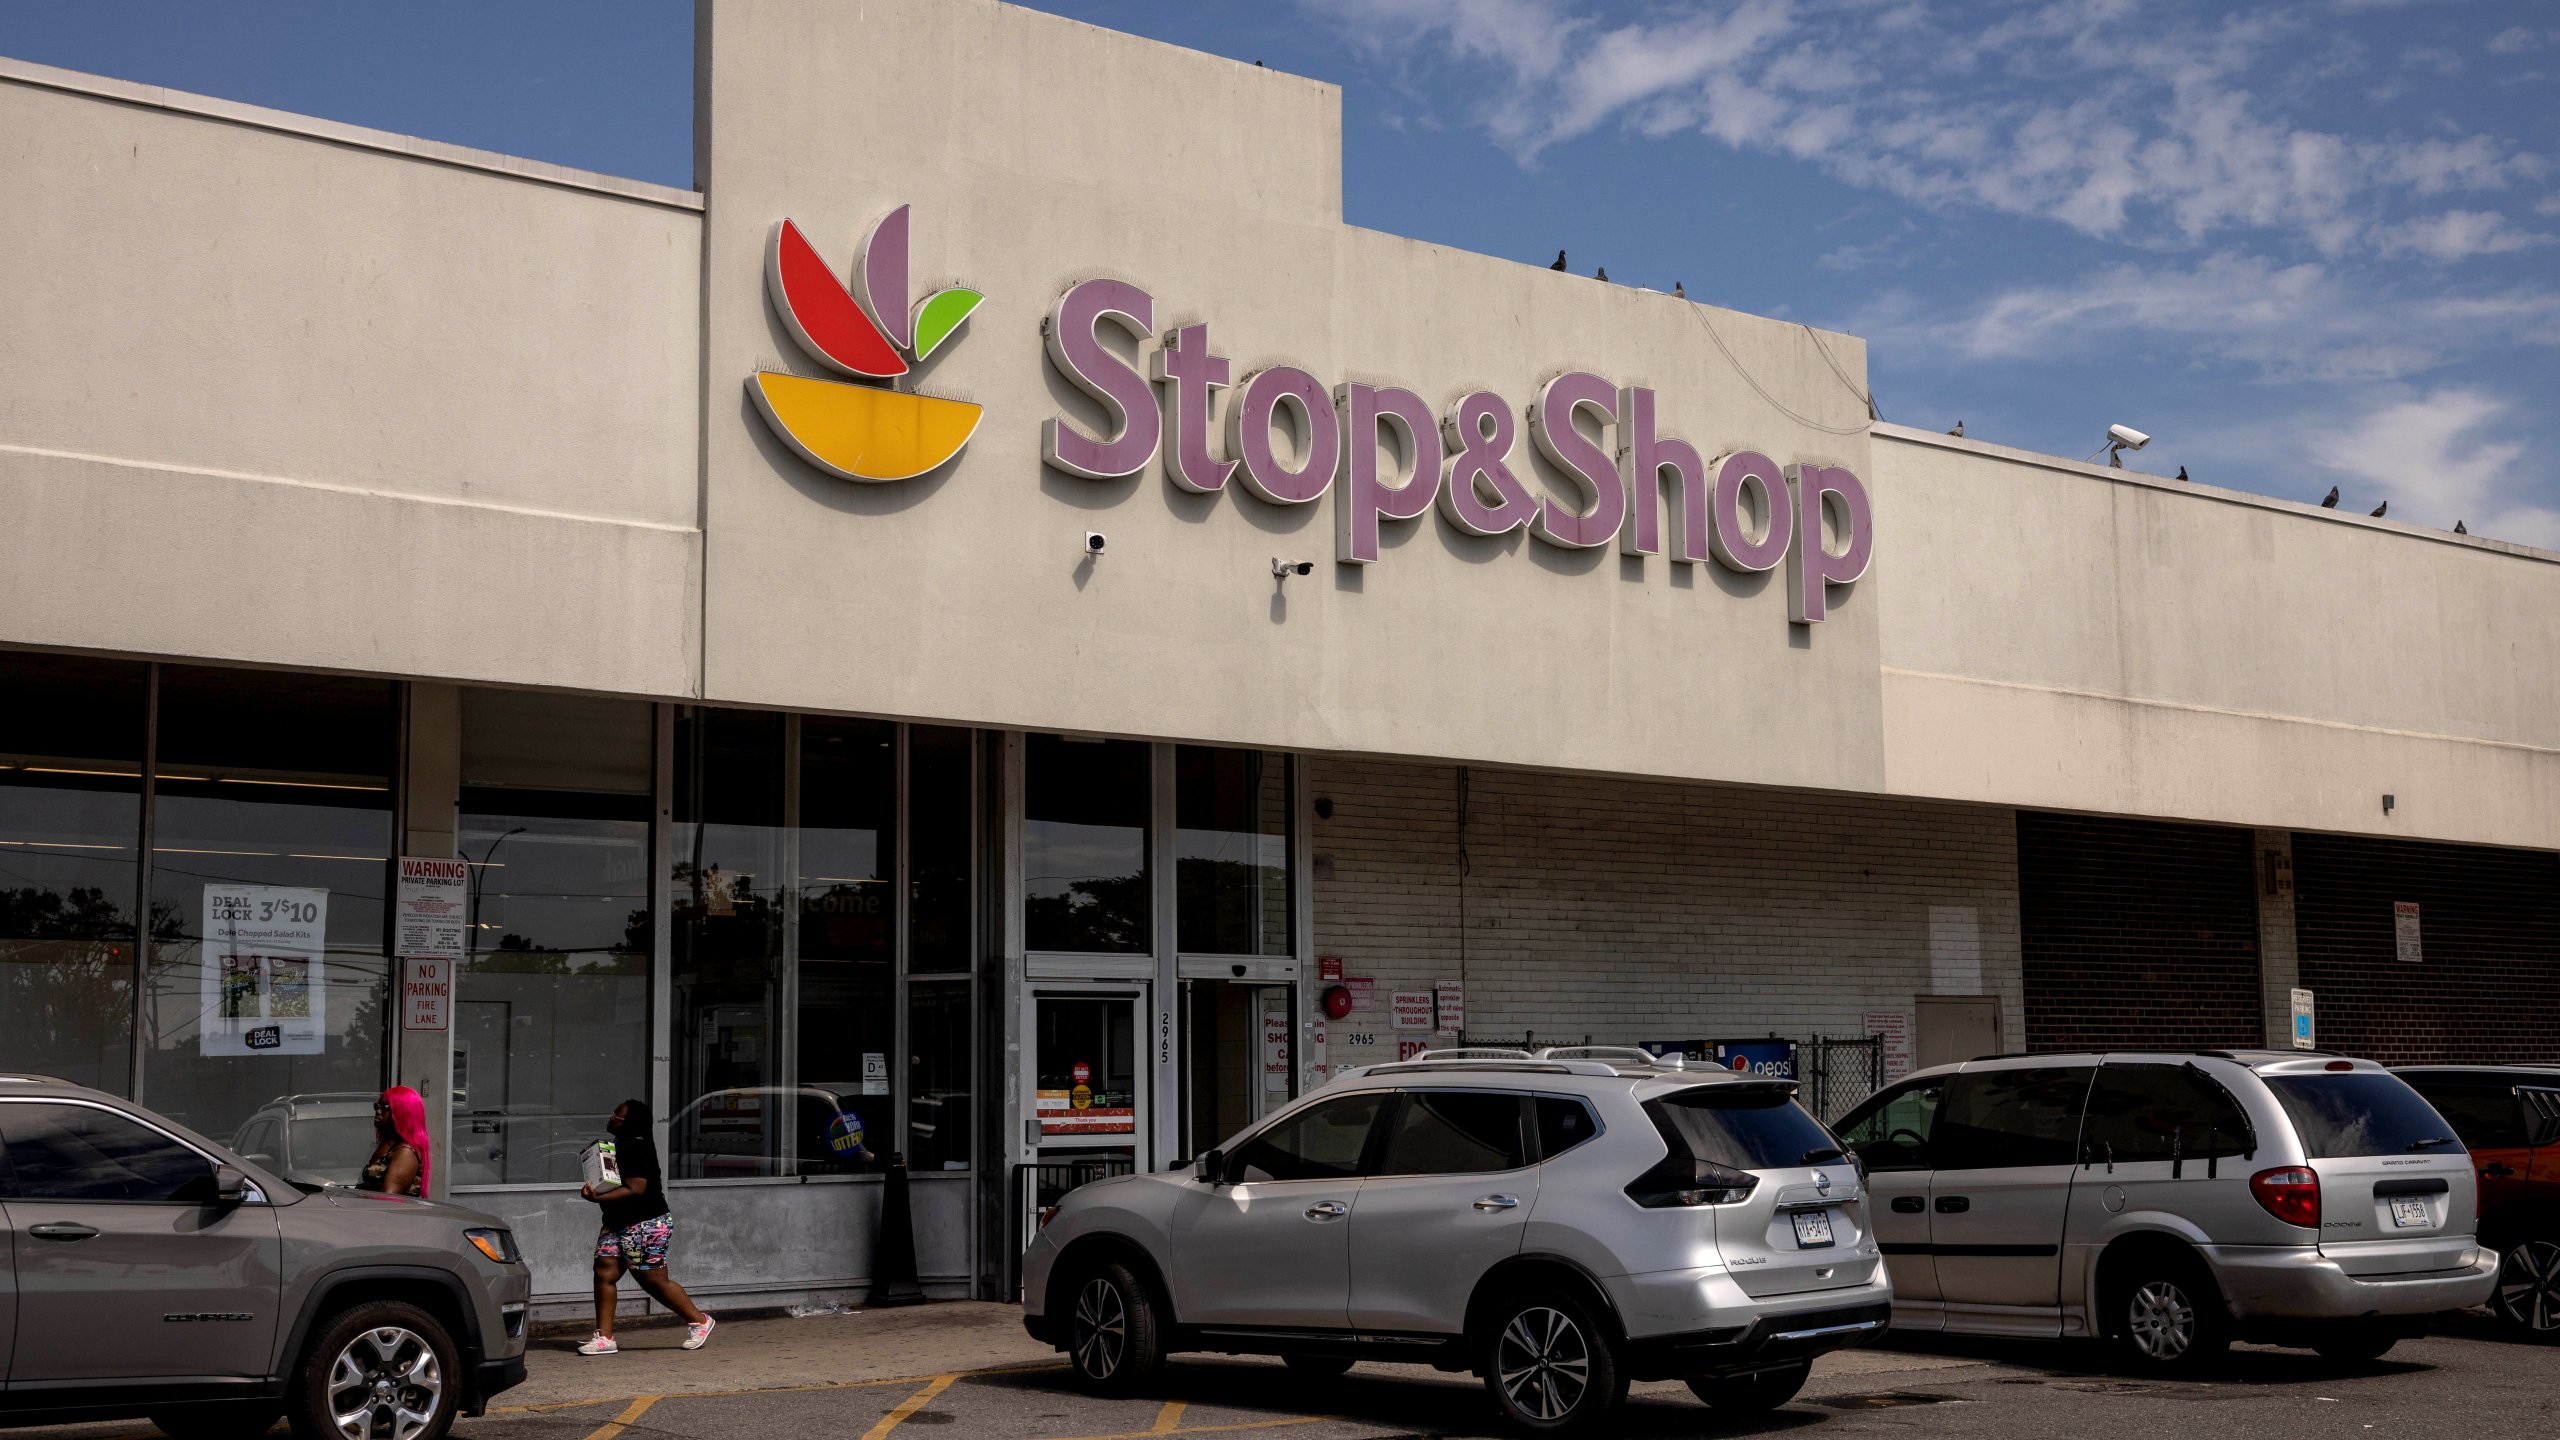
<point x="821" y="311"/>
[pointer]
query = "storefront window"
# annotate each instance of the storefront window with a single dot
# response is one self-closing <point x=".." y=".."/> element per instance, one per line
<point x="785" y="907"/>
<point x="551" y="1022"/>
<point x="270" y="854"/>
<point x="1084" y="844"/>
<point x="70" y="818"/>
<point x="847" y="943"/>
<point x="1231" y="851"/>
<point x="941" y="806"/>
<point x="939" y="1115"/>
<point x="728" y="906"/>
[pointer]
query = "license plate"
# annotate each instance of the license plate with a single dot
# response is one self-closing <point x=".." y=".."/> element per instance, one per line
<point x="1813" y="1228"/>
<point x="2405" y="1213"/>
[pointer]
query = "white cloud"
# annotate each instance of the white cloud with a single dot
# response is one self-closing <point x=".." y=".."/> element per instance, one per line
<point x="2432" y="456"/>
<point x="2519" y="40"/>
<point x="2457" y="235"/>
<point x="2111" y="117"/>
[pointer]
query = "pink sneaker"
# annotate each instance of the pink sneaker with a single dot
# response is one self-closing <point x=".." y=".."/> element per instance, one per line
<point x="694" y="1335"/>
<point x="600" y="1345"/>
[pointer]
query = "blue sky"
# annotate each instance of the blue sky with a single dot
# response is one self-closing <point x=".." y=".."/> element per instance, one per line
<point x="2302" y="244"/>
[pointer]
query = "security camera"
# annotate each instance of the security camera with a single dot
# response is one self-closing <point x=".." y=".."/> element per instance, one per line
<point x="1284" y="569"/>
<point x="1093" y="542"/>
<point x="2127" y="437"/>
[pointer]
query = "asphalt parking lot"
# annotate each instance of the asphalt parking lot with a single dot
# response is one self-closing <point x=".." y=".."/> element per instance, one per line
<point x="781" y="1379"/>
<point x="2468" y="1381"/>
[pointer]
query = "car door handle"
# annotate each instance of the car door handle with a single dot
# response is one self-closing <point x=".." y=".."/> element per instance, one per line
<point x="61" y="1230"/>
<point x="1909" y="1205"/>
<point x="2497" y="1170"/>
<point x="1954" y="1204"/>
<point x="1327" y="1210"/>
<point x="1499" y="1202"/>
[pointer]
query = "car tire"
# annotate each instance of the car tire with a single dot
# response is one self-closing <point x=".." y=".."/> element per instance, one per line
<point x="1318" y="1367"/>
<point x="383" y="1360"/>
<point x="2527" y="1299"/>
<point x="2354" y="1342"/>
<point x="1550" y="1365"/>
<point x="230" y="1420"/>
<point x="1114" y="1340"/>
<point x="1751" y="1394"/>
<point x="2165" y="1315"/>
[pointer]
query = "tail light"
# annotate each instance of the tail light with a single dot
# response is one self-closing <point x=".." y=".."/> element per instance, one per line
<point x="1679" y="1180"/>
<point x="2291" y="1193"/>
<point x="1047" y="1214"/>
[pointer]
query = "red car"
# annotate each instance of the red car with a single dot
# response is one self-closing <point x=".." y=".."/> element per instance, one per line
<point x="2509" y="1118"/>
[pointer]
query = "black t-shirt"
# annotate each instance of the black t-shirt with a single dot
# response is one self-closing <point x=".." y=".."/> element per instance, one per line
<point x="637" y="1156"/>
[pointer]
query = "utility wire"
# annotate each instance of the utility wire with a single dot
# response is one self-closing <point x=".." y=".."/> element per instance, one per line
<point x="1774" y="402"/>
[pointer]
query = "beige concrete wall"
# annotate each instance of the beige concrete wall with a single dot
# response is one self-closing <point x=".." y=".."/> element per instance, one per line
<point x="2069" y="637"/>
<point x="1055" y="152"/>
<point x="326" y="399"/>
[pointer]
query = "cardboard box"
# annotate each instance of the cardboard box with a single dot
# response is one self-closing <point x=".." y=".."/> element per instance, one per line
<point x="599" y="1167"/>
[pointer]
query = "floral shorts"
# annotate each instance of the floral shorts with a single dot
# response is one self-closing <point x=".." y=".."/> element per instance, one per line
<point x="642" y="1246"/>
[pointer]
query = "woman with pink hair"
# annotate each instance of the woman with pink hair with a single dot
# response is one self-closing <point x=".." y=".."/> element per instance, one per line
<point x="399" y="1163"/>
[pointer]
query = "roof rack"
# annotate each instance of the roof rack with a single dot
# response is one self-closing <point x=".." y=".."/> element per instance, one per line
<point x="1630" y="1053"/>
<point x="1477" y="1052"/>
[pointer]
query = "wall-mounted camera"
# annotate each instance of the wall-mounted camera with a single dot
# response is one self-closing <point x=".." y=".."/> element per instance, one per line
<point x="1093" y="542"/>
<point x="1284" y="569"/>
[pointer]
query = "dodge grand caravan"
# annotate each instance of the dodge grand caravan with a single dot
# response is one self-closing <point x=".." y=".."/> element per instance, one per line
<point x="1557" y="1223"/>
<point x="2170" y="1202"/>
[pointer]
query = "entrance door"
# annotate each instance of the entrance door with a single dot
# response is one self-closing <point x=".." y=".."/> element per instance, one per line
<point x="1235" y="1056"/>
<point x="1086" y="1097"/>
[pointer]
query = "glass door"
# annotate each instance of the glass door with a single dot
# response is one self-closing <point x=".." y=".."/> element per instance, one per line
<point x="1086" y="1098"/>
<point x="1236" y="1050"/>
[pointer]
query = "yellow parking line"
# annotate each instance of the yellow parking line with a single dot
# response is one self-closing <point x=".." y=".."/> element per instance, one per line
<point x="906" y="1407"/>
<point x="630" y="1412"/>
<point x="1214" y="1429"/>
<point x="1169" y="1416"/>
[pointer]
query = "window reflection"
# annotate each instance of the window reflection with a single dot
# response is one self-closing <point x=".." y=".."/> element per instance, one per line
<point x="70" y="818"/>
<point x="280" y="782"/>
<point x="551" y="1014"/>
<point x="848" y="1015"/>
<point x="1231" y="848"/>
<point x="727" y="906"/>
<point x="1084" y="844"/>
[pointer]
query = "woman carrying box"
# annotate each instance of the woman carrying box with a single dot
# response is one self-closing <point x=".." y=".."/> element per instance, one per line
<point x="637" y="1227"/>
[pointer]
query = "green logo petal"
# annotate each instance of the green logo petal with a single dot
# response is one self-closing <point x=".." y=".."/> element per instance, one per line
<point x="940" y="313"/>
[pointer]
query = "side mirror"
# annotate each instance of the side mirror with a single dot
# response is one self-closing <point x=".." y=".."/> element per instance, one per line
<point x="229" y="1186"/>
<point x="1211" y="1167"/>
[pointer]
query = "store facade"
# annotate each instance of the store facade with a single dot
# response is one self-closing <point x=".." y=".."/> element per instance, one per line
<point x="954" y="639"/>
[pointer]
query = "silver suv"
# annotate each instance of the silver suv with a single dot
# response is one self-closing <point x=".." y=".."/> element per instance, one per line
<point x="2170" y="1202"/>
<point x="160" y="1274"/>
<point x="1558" y="1223"/>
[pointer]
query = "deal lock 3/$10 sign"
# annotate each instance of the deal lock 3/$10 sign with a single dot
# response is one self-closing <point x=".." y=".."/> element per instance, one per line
<point x="1744" y="510"/>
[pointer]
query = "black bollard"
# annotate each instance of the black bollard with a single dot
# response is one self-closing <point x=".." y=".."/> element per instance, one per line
<point x="893" y="1259"/>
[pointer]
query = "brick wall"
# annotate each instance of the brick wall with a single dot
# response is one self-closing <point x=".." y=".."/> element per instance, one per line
<point x="2488" y="987"/>
<point x="2137" y="933"/>
<point x="1650" y="910"/>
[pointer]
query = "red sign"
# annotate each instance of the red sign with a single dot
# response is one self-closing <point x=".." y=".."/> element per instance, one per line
<point x="1328" y="967"/>
<point x="1081" y="1073"/>
<point x="1408" y="1046"/>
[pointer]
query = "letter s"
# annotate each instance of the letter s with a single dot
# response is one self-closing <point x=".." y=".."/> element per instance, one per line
<point x="1122" y="392"/>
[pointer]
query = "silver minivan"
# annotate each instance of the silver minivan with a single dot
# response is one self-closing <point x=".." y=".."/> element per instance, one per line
<point x="1558" y="1223"/>
<point x="2170" y="1202"/>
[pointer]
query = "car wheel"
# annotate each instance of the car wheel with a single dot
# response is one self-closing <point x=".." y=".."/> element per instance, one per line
<point x="2354" y="1342"/>
<point x="2528" y="1293"/>
<point x="1113" y="1339"/>
<point x="1550" y="1367"/>
<point x="384" y="1370"/>
<point x="235" y="1420"/>
<point x="1751" y="1394"/>
<point x="2166" y="1316"/>
<point x="1317" y="1367"/>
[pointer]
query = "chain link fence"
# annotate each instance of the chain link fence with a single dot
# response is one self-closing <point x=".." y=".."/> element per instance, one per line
<point x="1834" y="1073"/>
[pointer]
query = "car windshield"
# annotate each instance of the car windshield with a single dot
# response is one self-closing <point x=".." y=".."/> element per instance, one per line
<point x="1747" y="1127"/>
<point x="2360" y="1114"/>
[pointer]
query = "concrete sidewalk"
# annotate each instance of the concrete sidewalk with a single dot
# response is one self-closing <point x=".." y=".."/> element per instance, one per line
<point x="868" y="1347"/>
